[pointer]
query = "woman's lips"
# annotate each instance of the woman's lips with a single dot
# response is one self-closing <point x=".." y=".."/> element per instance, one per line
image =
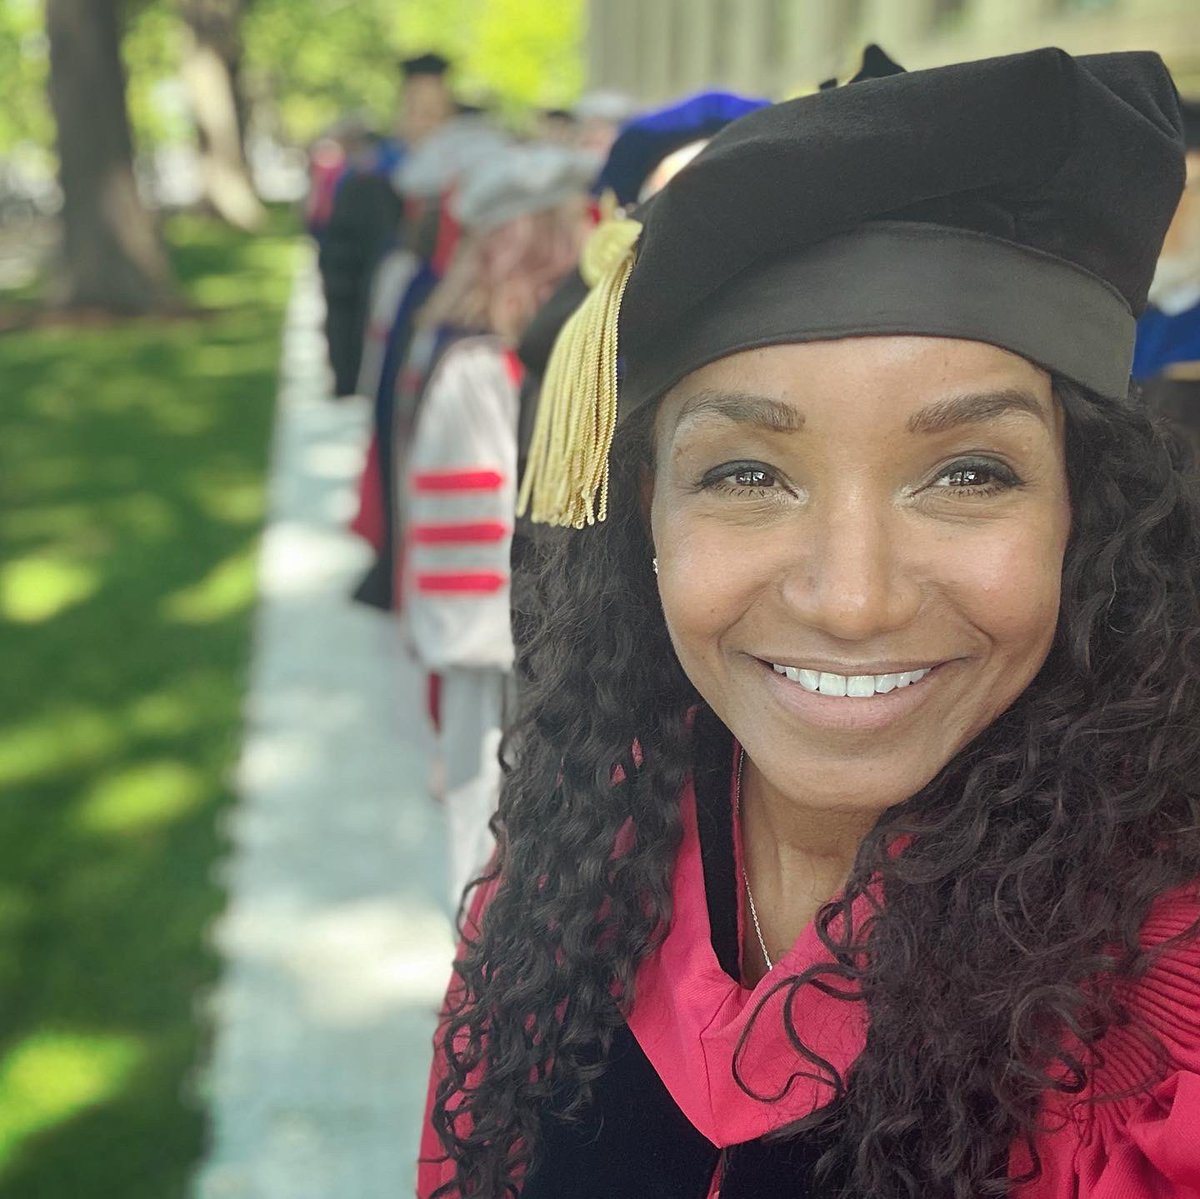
<point x="843" y="702"/>
<point x="853" y="686"/>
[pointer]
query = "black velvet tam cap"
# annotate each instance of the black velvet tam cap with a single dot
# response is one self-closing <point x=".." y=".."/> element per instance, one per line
<point x="538" y="340"/>
<point x="430" y="63"/>
<point x="1019" y="201"/>
<point x="876" y="64"/>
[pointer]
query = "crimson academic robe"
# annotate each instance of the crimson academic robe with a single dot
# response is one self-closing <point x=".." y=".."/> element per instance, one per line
<point x="670" y="1122"/>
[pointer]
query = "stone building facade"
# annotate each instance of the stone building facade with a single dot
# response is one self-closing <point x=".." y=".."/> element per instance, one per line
<point x="656" y="49"/>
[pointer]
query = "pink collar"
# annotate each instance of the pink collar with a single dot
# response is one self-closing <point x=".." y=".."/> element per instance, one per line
<point x="689" y="1017"/>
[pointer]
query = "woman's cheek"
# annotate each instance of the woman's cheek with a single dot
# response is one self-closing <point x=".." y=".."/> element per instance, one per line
<point x="709" y="575"/>
<point x="1014" y="587"/>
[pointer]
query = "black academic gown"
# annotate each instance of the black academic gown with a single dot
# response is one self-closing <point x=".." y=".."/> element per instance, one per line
<point x="365" y="221"/>
<point x="634" y="1140"/>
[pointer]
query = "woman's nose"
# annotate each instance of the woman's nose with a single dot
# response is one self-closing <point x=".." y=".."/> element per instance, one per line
<point x="853" y="574"/>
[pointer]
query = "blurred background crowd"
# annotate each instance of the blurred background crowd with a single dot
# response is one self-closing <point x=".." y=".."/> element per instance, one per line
<point x="278" y="283"/>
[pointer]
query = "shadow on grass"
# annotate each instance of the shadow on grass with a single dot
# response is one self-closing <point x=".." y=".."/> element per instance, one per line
<point x="131" y="501"/>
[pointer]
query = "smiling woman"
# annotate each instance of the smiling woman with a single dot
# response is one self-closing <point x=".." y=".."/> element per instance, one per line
<point x="850" y="844"/>
<point x="896" y="511"/>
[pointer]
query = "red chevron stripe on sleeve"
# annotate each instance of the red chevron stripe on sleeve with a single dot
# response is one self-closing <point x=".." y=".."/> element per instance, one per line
<point x="462" y="534"/>
<point x="476" y="582"/>
<point x="457" y="480"/>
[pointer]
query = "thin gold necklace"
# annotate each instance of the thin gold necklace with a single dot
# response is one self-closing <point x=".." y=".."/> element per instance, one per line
<point x="737" y="812"/>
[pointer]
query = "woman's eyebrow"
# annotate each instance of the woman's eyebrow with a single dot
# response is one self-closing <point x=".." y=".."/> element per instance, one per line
<point x="744" y="408"/>
<point x="975" y="408"/>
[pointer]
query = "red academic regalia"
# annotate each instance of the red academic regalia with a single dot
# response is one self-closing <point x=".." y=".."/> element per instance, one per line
<point x="690" y="1015"/>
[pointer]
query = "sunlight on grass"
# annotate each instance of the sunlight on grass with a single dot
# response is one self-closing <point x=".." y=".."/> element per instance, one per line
<point x="36" y="589"/>
<point x="217" y="360"/>
<point x="163" y="714"/>
<point x="15" y="908"/>
<point x="227" y="589"/>
<point x="217" y="292"/>
<point x="65" y="737"/>
<point x="50" y="1077"/>
<point x="57" y="521"/>
<point x="47" y="475"/>
<point x="184" y="420"/>
<point x="142" y="514"/>
<point x="49" y="403"/>
<point x="234" y="502"/>
<point x="135" y="455"/>
<point x="139" y="797"/>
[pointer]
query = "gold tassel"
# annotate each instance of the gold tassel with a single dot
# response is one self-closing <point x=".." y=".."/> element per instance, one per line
<point x="566" y="477"/>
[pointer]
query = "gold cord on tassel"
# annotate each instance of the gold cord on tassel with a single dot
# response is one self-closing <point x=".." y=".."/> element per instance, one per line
<point x="566" y="477"/>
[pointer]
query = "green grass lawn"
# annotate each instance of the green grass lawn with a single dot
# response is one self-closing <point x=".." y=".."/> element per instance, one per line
<point x="132" y="471"/>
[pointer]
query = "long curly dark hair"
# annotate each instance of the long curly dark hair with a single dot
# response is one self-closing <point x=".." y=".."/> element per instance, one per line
<point x="1035" y="855"/>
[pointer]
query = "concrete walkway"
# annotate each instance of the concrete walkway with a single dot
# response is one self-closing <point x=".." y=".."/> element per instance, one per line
<point x="336" y="942"/>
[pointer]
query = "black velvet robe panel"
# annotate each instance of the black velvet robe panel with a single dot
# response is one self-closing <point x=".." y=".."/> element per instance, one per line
<point x="634" y="1142"/>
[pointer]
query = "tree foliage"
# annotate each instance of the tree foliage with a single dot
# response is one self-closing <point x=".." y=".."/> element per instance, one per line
<point x="149" y="47"/>
<point x="24" y="67"/>
<point x="320" y="59"/>
<point x="152" y="48"/>
<point x="308" y="62"/>
<point x="529" y="54"/>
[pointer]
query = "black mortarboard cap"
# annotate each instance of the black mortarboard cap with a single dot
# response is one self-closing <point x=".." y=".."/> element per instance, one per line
<point x="1019" y="201"/>
<point x="429" y="63"/>
<point x="876" y="64"/>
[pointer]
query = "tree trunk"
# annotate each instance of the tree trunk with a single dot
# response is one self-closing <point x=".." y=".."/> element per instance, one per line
<point x="114" y="258"/>
<point x="212" y="74"/>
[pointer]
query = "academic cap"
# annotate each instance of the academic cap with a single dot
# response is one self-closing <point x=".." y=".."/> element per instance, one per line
<point x="603" y="105"/>
<point x="876" y="64"/>
<point x="518" y="180"/>
<point x="646" y="140"/>
<point x="441" y="158"/>
<point x="1019" y="201"/>
<point x="430" y="63"/>
<point x="538" y="341"/>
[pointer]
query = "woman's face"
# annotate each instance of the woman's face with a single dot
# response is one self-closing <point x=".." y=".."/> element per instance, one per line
<point x="860" y="547"/>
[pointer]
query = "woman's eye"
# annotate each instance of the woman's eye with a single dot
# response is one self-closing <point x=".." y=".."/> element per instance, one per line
<point x="967" y="476"/>
<point x="976" y="477"/>
<point x="751" y="476"/>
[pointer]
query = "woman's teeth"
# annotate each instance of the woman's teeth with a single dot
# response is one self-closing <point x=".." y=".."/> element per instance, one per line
<point x="853" y="685"/>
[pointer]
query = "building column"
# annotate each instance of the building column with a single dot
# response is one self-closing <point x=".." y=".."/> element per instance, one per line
<point x="623" y="22"/>
<point x="658" y="52"/>
<point x="747" y="34"/>
<point x="814" y="51"/>
<point x="598" y="62"/>
<point x="696" y="37"/>
<point x="1003" y="25"/>
<point x="900" y="27"/>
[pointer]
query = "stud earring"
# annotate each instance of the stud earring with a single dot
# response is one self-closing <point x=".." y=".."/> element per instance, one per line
<point x="654" y="563"/>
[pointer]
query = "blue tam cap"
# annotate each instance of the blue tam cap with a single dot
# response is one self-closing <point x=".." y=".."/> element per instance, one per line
<point x="645" y="141"/>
